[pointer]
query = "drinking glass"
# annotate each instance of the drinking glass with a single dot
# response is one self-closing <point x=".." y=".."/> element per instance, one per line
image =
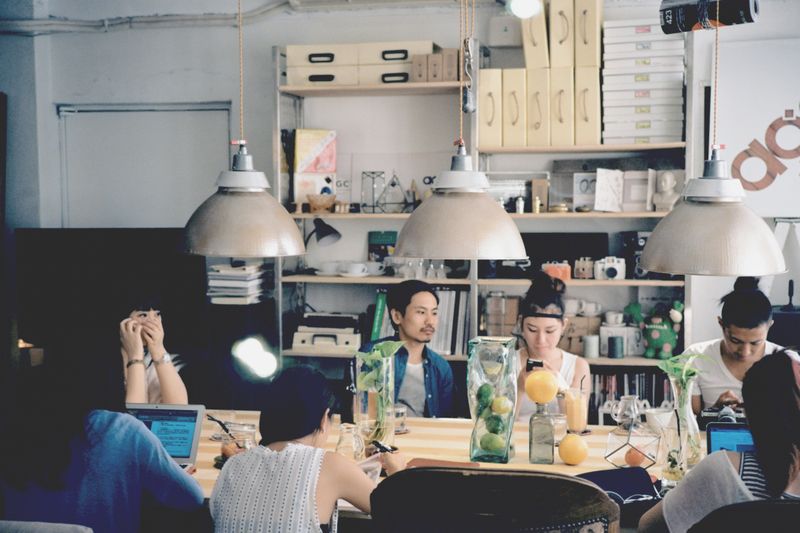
<point x="350" y="444"/>
<point x="400" y="413"/>
<point x="576" y="403"/>
<point x="559" y="427"/>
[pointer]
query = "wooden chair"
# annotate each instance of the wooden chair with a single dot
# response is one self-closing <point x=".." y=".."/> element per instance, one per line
<point x="775" y="516"/>
<point x="441" y="499"/>
<point x="14" y="526"/>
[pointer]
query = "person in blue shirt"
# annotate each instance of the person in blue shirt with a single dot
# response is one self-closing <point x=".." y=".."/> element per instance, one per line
<point x="71" y="453"/>
<point x="423" y="379"/>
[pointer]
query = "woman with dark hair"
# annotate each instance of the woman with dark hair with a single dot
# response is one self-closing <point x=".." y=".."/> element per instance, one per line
<point x="289" y="482"/>
<point x="772" y="395"/>
<point x="745" y="321"/>
<point x="540" y="326"/>
<point x="71" y="454"/>
<point x="151" y="373"/>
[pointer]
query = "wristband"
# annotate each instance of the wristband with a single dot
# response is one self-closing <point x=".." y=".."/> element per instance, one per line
<point x="133" y="362"/>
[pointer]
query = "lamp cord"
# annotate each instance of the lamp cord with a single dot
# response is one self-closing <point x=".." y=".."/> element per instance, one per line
<point x="466" y="29"/>
<point x="241" y="73"/>
<point x="716" y="76"/>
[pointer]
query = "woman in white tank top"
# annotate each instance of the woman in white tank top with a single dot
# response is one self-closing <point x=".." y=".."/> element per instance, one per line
<point x="541" y="325"/>
<point x="290" y="483"/>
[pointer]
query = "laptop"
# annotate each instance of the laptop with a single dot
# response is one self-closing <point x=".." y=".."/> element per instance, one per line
<point x="729" y="436"/>
<point x="178" y="427"/>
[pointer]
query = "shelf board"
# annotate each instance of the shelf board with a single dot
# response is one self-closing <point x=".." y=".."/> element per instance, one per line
<point x="625" y="361"/>
<point x="520" y="216"/>
<point x="346" y="354"/>
<point x="589" y="282"/>
<point x="597" y="148"/>
<point x="367" y="280"/>
<point x="389" y="89"/>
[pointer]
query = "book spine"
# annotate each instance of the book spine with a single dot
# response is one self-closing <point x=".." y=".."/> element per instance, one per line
<point x="380" y="309"/>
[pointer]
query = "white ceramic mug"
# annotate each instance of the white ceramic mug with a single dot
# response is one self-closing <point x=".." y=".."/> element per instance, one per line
<point x="374" y="268"/>
<point x="573" y="306"/>
<point x="354" y="269"/>
<point x="614" y="318"/>
<point x="591" y="346"/>
<point x="329" y="268"/>
<point x="591" y="309"/>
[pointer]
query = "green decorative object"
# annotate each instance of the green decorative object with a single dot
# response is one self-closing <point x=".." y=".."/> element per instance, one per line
<point x="660" y="332"/>
<point x="492" y="388"/>
<point x="375" y="392"/>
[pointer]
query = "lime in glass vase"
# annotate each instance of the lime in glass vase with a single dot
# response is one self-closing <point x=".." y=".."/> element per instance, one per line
<point x="375" y="392"/>
<point x="492" y="387"/>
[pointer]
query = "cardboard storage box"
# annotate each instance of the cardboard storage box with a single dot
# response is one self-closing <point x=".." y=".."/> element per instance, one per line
<point x="562" y="31"/>
<point x="307" y="55"/>
<point x="392" y="52"/>
<point x="538" y="107"/>
<point x="588" y="15"/>
<point x="534" y="41"/>
<point x="322" y="75"/>
<point x="435" y="67"/>
<point x="382" y="74"/>
<point x="587" y="105"/>
<point x="419" y="68"/>
<point x="514" y="113"/>
<point x="562" y="107"/>
<point x="450" y="64"/>
<point x="490" y="104"/>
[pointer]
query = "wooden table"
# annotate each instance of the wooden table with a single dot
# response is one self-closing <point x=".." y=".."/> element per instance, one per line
<point x="431" y="438"/>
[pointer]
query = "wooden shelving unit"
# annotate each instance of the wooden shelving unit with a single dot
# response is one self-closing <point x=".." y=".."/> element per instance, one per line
<point x="393" y="89"/>
<point x="521" y="216"/>
<point x="592" y="149"/>
<point x="625" y="361"/>
<point x="366" y="280"/>
<point x="347" y="354"/>
<point x="588" y="283"/>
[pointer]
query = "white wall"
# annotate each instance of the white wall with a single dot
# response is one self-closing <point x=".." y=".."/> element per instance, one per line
<point x="200" y="64"/>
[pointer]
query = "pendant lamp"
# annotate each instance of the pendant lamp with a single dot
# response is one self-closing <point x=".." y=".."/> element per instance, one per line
<point x="710" y="232"/>
<point x="461" y="220"/>
<point x="242" y="219"/>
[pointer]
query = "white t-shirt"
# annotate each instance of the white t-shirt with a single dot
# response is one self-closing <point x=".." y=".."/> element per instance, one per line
<point x="412" y="390"/>
<point x="565" y="376"/>
<point x="714" y="377"/>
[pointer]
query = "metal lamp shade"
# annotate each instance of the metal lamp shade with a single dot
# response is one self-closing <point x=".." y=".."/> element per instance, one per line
<point x="713" y="239"/>
<point x="241" y="223"/>
<point x="460" y="225"/>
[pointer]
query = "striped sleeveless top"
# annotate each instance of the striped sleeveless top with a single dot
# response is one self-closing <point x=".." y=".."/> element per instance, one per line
<point x="264" y="491"/>
<point x="753" y="477"/>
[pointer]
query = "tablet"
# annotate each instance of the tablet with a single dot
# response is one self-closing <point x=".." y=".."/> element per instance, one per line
<point x="729" y="436"/>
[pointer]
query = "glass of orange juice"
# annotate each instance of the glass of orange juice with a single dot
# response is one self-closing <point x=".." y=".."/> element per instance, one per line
<point x="576" y="403"/>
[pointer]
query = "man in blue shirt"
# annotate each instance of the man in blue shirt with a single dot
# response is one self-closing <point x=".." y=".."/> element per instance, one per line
<point x="423" y="380"/>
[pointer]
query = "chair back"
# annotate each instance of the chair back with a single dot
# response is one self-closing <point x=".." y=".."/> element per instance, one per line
<point x="482" y="499"/>
<point x="14" y="526"/>
<point x="775" y="516"/>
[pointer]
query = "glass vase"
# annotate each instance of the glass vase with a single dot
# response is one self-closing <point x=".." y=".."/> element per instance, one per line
<point x="631" y="443"/>
<point x="375" y="397"/>
<point x="684" y="448"/>
<point x="492" y="386"/>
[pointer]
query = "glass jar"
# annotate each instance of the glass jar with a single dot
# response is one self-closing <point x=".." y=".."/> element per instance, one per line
<point x="541" y="436"/>
<point x="684" y="448"/>
<point x="492" y="370"/>
<point x="350" y="444"/>
<point x="631" y="443"/>
<point x="375" y="392"/>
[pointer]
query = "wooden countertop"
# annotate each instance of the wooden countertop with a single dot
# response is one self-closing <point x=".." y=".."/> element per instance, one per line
<point x="431" y="438"/>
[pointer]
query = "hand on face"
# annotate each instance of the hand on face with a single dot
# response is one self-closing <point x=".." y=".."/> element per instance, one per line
<point x="728" y="398"/>
<point x="130" y="337"/>
<point x="153" y="334"/>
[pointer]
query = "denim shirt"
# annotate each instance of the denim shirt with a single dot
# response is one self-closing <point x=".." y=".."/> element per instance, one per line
<point x="438" y="378"/>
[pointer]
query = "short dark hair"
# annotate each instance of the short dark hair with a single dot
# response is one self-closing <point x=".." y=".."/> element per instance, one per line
<point x="772" y="399"/>
<point x="294" y="403"/>
<point x="746" y="306"/>
<point x="545" y="291"/>
<point x="399" y="296"/>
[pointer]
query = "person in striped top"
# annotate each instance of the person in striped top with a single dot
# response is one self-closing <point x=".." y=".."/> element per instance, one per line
<point x="771" y="393"/>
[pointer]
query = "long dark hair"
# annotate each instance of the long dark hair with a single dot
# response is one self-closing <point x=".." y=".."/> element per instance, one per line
<point x="746" y="306"/>
<point x="545" y="291"/>
<point x="294" y="404"/>
<point x="772" y="400"/>
<point x="82" y="372"/>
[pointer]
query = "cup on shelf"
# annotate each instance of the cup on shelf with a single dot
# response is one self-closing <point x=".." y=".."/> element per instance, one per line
<point x="374" y="268"/>
<point x="591" y="309"/>
<point x="615" y="347"/>
<point x="614" y="318"/>
<point x="354" y="269"/>
<point x="573" y="306"/>
<point x="328" y="268"/>
<point x="591" y="346"/>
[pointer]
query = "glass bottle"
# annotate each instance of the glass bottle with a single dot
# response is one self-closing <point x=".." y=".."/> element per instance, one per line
<point x="374" y="411"/>
<point x="685" y="449"/>
<point x="350" y="444"/>
<point x="541" y="442"/>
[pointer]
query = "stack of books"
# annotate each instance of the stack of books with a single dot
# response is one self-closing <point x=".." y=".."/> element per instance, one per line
<point x="234" y="285"/>
<point x="643" y="79"/>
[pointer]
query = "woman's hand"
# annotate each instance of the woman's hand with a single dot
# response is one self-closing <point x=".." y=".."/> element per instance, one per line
<point x="393" y="462"/>
<point x="153" y="333"/>
<point x="728" y="398"/>
<point x="130" y="337"/>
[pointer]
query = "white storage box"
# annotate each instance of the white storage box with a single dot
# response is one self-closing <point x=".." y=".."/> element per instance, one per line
<point x="514" y="112"/>
<point x="639" y="46"/>
<point x="642" y="63"/>
<point x="642" y="112"/>
<point x="674" y="78"/>
<point x="652" y="37"/>
<point x="672" y="96"/>
<point x="381" y="74"/>
<point x="644" y="139"/>
<point x="537" y="85"/>
<point x="588" y="14"/>
<point x="643" y="53"/>
<point x="322" y="75"/>
<point x="643" y="127"/>
<point x="305" y="55"/>
<point x="534" y="41"/>
<point x="392" y="52"/>
<point x="643" y="85"/>
<point x="561" y="15"/>
<point x="490" y="105"/>
<point x="629" y="28"/>
<point x="587" y="105"/>
<point x="562" y="106"/>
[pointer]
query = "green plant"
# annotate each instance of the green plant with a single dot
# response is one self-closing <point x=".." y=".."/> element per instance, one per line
<point x="681" y="371"/>
<point x="372" y="378"/>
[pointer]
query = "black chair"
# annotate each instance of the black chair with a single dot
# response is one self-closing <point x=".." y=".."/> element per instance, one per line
<point x="773" y="516"/>
<point x="439" y="499"/>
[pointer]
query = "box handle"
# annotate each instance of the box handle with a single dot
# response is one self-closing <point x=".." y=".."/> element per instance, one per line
<point x="321" y="77"/>
<point x="538" y="123"/>
<point x="394" y="77"/>
<point x="491" y="115"/>
<point x="321" y="57"/>
<point x="584" y="93"/>
<point x="516" y="108"/>
<point x="532" y="32"/>
<point x="394" y="55"/>
<point x="560" y="114"/>
<point x="585" y="37"/>
<point x="564" y="26"/>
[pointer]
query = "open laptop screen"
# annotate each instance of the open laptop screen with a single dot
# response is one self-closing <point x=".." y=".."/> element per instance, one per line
<point x="176" y="426"/>
<point x="729" y="436"/>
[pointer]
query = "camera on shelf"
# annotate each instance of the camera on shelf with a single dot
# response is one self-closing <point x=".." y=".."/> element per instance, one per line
<point x="584" y="268"/>
<point x="609" y="268"/>
<point x="721" y="414"/>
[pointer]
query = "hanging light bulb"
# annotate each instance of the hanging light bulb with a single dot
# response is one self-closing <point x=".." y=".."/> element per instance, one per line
<point x="242" y="219"/>
<point x="461" y="220"/>
<point x="523" y="9"/>
<point x="710" y="232"/>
